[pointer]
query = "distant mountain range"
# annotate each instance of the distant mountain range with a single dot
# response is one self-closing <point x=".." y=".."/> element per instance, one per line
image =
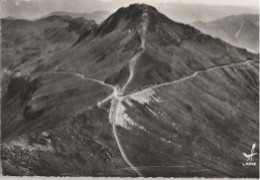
<point x="241" y="31"/>
<point x="188" y="13"/>
<point x="97" y="16"/>
<point x="137" y="95"/>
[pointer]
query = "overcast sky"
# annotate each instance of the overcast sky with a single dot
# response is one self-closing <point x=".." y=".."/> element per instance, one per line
<point x="215" y="2"/>
<point x="37" y="8"/>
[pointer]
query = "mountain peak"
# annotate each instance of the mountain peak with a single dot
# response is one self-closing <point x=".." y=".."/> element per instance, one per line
<point x="136" y="10"/>
<point x="141" y="7"/>
<point x="127" y="17"/>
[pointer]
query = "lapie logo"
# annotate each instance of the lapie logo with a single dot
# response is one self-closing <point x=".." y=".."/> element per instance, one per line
<point x="250" y="156"/>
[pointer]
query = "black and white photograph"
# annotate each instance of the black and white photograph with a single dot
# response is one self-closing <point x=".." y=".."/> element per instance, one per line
<point x="130" y="88"/>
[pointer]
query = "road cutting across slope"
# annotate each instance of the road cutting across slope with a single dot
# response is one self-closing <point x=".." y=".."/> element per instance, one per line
<point x="82" y="77"/>
<point x="187" y="77"/>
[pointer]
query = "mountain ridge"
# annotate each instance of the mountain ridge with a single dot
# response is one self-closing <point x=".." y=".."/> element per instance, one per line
<point x="97" y="16"/>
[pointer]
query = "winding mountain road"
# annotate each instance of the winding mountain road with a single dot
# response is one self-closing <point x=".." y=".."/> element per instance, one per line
<point x="118" y="94"/>
<point x="82" y="77"/>
<point x="132" y="63"/>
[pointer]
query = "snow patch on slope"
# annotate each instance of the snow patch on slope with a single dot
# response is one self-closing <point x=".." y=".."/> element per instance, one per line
<point x="123" y="119"/>
<point x="146" y="97"/>
<point x="128" y="102"/>
<point x="23" y="143"/>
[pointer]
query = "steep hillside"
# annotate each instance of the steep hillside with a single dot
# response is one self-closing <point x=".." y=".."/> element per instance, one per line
<point x="31" y="43"/>
<point x="199" y="125"/>
<point x="241" y="31"/>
